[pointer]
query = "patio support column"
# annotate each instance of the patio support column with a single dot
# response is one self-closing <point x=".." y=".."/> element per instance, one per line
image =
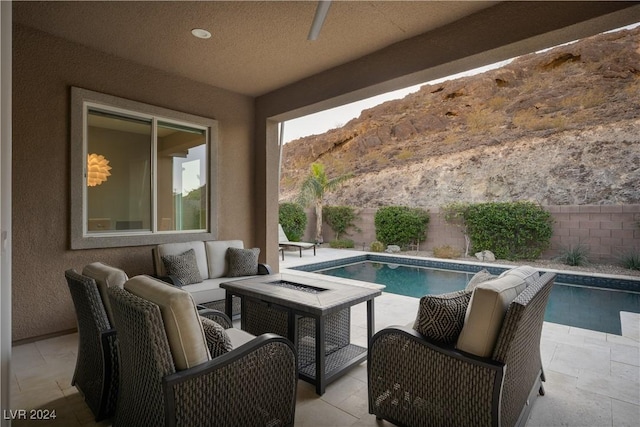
<point x="266" y="190"/>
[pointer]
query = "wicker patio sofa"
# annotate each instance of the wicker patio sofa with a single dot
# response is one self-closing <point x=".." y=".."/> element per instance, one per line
<point x="213" y="267"/>
<point x="419" y="381"/>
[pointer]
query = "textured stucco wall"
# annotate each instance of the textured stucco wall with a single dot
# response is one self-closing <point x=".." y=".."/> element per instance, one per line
<point x="44" y="69"/>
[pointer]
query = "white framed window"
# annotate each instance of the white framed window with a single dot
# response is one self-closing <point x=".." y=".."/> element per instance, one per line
<point x="140" y="174"/>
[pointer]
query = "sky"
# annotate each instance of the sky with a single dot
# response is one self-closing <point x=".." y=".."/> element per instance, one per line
<point x="318" y="123"/>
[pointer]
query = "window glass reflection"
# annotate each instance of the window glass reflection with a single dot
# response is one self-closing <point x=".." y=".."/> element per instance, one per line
<point x="182" y="172"/>
<point x="118" y="174"/>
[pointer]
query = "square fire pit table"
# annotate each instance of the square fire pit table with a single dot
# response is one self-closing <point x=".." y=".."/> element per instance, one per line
<point x="311" y="312"/>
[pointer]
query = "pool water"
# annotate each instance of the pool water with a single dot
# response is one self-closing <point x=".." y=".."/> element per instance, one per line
<point x="573" y="305"/>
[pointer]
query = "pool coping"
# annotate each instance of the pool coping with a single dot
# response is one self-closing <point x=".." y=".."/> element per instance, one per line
<point x="595" y="280"/>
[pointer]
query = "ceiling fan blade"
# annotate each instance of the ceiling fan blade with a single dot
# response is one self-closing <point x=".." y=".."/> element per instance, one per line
<point x="318" y="19"/>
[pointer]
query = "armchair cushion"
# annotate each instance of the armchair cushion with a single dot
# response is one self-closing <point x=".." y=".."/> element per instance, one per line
<point x="239" y="337"/>
<point x="524" y="272"/>
<point x="183" y="266"/>
<point x="243" y="262"/>
<point x="180" y="317"/>
<point x="480" y="277"/>
<point x="440" y="317"/>
<point x="217" y="339"/>
<point x="483" y="320"/>
<point x="105" y="276"/>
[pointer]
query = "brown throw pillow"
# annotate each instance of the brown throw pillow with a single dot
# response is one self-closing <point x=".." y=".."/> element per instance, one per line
<point x="217" y="339"/>
<point x="184" y="267"/>
<point x="441" y="317"/>
<point x="243" y="262"/>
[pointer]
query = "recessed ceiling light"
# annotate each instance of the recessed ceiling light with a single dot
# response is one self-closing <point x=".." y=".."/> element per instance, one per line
<point x="200" y="33"/>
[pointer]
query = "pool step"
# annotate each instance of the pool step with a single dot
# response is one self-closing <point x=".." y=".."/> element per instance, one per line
<point x="630" y="323"/>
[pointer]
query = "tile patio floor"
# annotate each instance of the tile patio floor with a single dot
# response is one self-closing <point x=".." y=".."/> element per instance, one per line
<point x="593" y="378"/>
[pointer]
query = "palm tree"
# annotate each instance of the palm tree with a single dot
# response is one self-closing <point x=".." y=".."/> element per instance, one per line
<point x="313" y="190"/>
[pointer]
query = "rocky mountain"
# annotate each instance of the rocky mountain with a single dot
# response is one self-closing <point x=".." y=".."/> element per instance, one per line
<point x="557" y="127"/>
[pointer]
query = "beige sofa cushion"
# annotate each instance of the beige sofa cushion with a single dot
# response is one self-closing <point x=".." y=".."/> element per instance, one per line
<point x="216" y="251"/>
<point x="180" y="316"/>
<point x="485" y="313"/>
<point x="178" y="249"/>
<point x="105" y="276"/>
<point x="209" y="290"/>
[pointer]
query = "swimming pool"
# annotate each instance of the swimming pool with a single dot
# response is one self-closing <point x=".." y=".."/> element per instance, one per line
<point x="576" y="300"/>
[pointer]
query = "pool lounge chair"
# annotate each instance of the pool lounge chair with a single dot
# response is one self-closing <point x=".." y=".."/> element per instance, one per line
<point x="283" y="241"/>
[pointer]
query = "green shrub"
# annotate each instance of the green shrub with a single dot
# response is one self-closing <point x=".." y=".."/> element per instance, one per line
<point x="576" y="256"/>
<point x="376" y="246"/>
<point x="293" y="220"/>
<point x="511" y="230"/>
<point x="630" y="260"/>
<point x="342" y="244"/>
<point x="339" y="218"/>
<point x="401" y="225"/>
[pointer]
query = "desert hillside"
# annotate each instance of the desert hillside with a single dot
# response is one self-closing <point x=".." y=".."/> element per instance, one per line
<point x="558" y="127"/>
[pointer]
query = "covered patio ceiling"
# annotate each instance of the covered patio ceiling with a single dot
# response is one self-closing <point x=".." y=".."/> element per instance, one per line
<point x="257" y="48"/>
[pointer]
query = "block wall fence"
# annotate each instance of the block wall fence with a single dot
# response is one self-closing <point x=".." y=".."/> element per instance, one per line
<point x="607" y="230"/>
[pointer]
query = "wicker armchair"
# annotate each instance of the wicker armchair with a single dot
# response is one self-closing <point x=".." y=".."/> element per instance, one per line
<point x="96" y="372"/>
<point x="417" y="382"/>
<point x="252" y="385"/>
